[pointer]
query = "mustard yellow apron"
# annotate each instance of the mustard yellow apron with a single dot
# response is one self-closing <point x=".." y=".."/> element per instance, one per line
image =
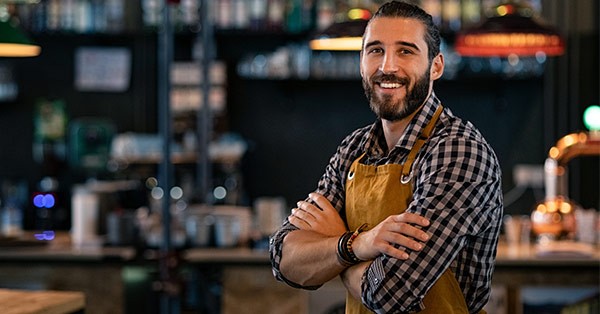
<point x="393" y="192"/>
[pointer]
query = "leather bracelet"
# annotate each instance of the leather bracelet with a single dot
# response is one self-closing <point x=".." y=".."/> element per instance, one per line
<point x="342" y="256"/>
<point x="345" y="254"/>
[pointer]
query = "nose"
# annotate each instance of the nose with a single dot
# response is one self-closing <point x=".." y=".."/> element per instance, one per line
<point x="388" y="64"/>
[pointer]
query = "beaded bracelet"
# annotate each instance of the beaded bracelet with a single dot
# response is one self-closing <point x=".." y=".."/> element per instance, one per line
<point x="349" y="243"/>
<point x="345" y="254"/>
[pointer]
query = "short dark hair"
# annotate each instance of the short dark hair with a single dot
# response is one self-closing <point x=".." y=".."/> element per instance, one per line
<point x="407" y="10"/>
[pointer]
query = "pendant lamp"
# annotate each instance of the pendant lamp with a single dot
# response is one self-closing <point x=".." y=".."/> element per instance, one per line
<point x="345" y="35"/>
<point x="13" y="41"/>
<point x="513" y="29"/>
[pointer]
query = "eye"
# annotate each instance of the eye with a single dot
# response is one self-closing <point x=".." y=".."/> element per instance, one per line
<point x="375" y="50"/>
<point x="404" y="51"/>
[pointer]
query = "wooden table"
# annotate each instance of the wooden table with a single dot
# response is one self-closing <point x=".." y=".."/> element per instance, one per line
<point x="41" y="302"/>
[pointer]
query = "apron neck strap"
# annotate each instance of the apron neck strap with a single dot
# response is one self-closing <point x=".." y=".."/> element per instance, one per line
<point x="423" y="137"/>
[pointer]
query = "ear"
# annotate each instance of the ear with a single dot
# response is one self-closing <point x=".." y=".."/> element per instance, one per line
<point x="437" y="67"/>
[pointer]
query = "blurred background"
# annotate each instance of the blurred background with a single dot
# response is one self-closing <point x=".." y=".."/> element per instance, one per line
<point x="251" y="115"/>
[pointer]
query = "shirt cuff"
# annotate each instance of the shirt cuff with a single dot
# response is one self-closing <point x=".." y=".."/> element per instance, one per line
<point x="374" y="280"/>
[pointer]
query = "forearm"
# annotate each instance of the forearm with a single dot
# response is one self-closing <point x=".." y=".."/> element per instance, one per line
<point x="309" y="258"/>
<point x="352" y="278"/>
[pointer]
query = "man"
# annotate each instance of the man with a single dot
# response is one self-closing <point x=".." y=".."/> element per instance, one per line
<point x="426" y="183"/>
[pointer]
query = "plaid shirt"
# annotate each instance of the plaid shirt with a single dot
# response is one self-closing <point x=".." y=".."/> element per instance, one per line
<point x="456" y="185"/>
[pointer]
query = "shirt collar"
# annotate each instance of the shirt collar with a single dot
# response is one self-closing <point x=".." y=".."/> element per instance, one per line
<point x="373" y="143"/>
<point x="419" y="122"/>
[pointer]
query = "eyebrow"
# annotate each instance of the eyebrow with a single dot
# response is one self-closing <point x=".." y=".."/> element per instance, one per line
<point x="400" y="43"/>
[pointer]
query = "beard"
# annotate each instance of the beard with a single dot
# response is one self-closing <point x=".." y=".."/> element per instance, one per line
<point x="385" y="108"/>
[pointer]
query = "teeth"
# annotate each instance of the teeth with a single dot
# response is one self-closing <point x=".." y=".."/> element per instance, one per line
<point x="389" y="85"/>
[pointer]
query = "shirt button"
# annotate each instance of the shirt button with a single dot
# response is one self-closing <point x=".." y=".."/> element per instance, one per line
<point x="376" y="280"/>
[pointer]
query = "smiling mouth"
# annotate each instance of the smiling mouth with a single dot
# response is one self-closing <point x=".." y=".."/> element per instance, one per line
<point x="390" y="85"/>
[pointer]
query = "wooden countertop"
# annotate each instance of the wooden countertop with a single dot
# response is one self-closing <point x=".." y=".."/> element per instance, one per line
<point x="556" y="254"/>
<point x="226" y="256"/>
<point x="40" y="302"/>
<point x="520" y="255"/>
<point x="61" y="250"/>
<point x="67" y="254"/>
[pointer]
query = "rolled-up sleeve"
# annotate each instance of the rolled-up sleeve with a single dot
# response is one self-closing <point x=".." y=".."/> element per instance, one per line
<point x="458" y="188"/>
<point x="275" y="253"/>
<point x="331" y="185"/>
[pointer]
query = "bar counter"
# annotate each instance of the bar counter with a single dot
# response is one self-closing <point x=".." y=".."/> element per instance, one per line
<point x="508" y="256"/>
<point x="519" y="256"/>
<point x="105" y="273"/>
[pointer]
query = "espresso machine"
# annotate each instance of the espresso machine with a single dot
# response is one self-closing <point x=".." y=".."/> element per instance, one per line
<point x="554" y="218"/>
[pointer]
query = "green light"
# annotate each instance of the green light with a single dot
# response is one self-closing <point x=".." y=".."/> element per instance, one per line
<point x="591" y="118"/>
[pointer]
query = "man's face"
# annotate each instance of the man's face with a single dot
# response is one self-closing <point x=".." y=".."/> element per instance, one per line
<point x="395" y="67"/>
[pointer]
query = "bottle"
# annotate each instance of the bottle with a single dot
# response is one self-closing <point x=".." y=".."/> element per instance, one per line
<point x="325" y="13"/>
<point x="224" y="14"/>
<point x="241" y="14"/>
<point x="434" y="8"/>
<point x="471" y="12"/>
<point x="12" y="219"/>
<point x="275" y="14"/>
<point x="258" y="14"/>
<point x="84" y="217"/>
<point x="451" y="15"/>
<point x="293" y="18"/>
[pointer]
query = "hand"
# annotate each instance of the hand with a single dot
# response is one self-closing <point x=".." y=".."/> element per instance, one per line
<point x="322" y="217"/>
<point x="403" y="230"/>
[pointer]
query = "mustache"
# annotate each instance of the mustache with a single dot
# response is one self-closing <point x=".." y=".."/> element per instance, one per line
<point x="389" y="78"/>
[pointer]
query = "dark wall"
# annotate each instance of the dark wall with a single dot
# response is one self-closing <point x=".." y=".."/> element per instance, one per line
<point x="295" y="126"/>
<point x="50" y="76"/>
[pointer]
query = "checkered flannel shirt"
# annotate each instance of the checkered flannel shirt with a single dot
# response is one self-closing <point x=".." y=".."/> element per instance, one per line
<point x="456" y="185"/>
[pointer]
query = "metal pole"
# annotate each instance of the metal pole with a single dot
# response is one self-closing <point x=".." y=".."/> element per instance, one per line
<point x="204" y="118"/>
<point x="167" y="258"/>
<point x="549" y="92"/>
